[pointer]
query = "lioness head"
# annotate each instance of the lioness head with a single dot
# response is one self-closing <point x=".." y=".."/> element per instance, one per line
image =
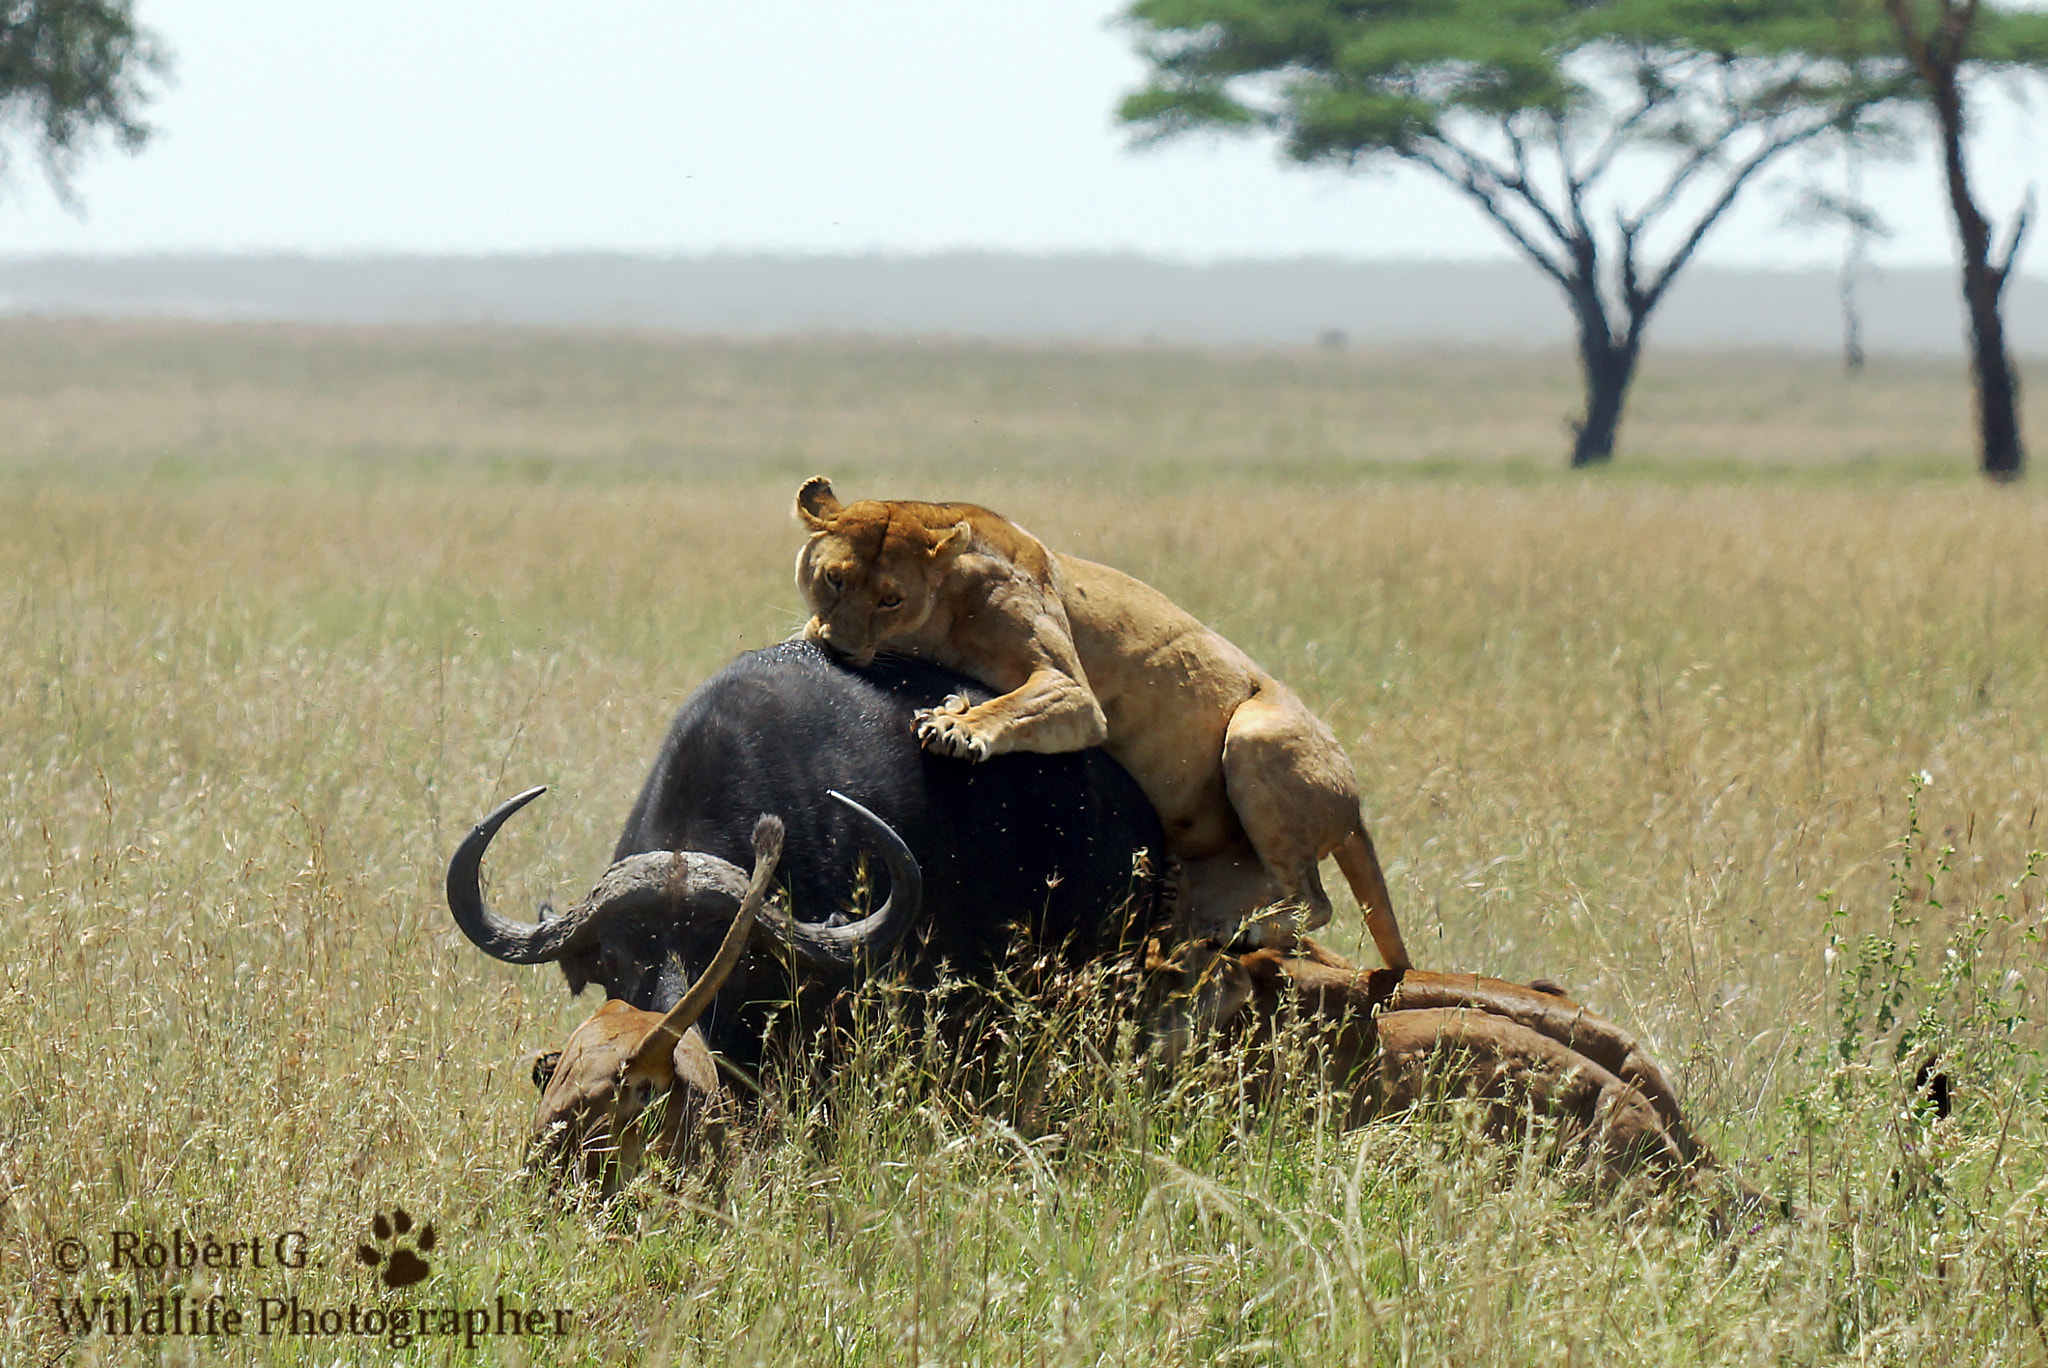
<point x="871" y="570"/>
<point x="622" y="1092"/>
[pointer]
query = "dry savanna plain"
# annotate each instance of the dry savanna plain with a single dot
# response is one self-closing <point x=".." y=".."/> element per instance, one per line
<point x="1744" y="740"/>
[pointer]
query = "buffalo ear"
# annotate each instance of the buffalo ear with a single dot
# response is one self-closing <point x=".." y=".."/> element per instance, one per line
<point x="952" y="541"/>
<point x="816" y="504"/>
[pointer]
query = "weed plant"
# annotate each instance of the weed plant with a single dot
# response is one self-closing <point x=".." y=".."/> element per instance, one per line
<point x="1747" y="753"/>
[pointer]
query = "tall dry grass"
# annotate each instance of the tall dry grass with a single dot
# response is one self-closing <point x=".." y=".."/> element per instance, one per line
<point x="1751" y="762"/>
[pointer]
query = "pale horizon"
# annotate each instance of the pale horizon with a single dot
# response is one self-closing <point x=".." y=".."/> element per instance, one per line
<point x="1098" y="297"/>
<point x="689" y="129"/>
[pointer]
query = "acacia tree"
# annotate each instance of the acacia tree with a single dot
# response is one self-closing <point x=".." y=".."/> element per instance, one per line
<point x="1861" y="225"/>
<point x="1945" y="43"/>
<point x="1530" y="109"/>
<point x="70" y="69"/>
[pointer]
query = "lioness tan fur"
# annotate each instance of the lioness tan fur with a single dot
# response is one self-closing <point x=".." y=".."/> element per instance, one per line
<point x="1386" y="1042"/>
<point x="1253" y="790"/>
<point x="614" y="1098"/>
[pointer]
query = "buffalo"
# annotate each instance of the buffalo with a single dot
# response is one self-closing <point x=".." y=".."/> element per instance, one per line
<point x="1055" y="848"/>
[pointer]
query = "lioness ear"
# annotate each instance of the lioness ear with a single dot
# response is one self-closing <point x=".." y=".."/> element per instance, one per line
<point x="952" y="541"/>
<point x="816" y="504"/>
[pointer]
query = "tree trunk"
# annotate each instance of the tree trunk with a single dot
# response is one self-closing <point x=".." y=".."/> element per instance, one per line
<point x="1607" y="367"/>
<point x="2003" y="457"/>
<point x="1852" y="313"/>
<point x="1939" y="62"/>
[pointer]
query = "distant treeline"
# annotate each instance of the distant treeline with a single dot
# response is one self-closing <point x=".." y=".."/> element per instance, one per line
<point x="1111" y="298"/>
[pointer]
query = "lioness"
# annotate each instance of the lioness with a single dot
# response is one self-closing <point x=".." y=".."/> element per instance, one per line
<point x="1387" y="1042"/>
<point x="1252" y="788"/>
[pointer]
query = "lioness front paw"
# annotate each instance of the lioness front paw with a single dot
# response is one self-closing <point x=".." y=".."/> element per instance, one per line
<point x="941" y="729"/>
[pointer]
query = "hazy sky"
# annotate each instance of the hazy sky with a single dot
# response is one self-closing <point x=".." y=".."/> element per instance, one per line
<point x="681" y="126"/>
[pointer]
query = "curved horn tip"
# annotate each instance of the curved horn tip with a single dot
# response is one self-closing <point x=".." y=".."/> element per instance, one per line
<point x="496" y="937"/>
<point x="840" y="797"/>
<point x="503" y="813"/>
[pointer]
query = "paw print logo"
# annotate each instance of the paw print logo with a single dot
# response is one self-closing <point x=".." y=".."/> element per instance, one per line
<point x="396" y="1255"/>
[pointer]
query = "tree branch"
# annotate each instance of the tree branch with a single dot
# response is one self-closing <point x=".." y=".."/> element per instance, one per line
<point x="1632" y="297"/>
<point x="1574" y="186"/>
<point x="1742" y="173"/>
<point x="1518" y="183"/>
<point x="1616" y="139"/>
<point x="1955" y="30"/>
<point x="1701" y="157"/>
<point x="1470" y="178"/>
<point x="1910" y="38"/>
<point x="2002" y="267"/>
<point x="1520" y="151"/>
<point x="1687" y="169"/>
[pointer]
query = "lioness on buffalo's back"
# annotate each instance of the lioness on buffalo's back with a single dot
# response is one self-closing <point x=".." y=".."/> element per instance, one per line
<point x="1254" y="791"/>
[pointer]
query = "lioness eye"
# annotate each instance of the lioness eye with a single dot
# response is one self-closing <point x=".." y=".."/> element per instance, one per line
<point x="832" y="579"/>
<point x="890" y="601"/>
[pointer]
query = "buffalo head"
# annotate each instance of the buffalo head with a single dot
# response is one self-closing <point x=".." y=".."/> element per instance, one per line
<point x="632" y="1085"/>
<point x="654" y="918"/>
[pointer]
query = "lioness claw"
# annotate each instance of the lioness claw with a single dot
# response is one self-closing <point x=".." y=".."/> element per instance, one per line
<point x="949" y="737"/>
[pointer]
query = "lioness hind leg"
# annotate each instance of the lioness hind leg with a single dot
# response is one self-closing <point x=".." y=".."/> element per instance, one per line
<point x="1293" y="789"/>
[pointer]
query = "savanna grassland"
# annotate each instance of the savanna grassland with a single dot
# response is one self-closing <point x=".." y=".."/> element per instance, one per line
<point x="1745" y="741"/>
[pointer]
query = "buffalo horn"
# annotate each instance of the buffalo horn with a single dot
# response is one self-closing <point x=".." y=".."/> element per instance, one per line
<point x="650" y="881"/>
<point x="666" y="1035"/>
<point x="836" y="950"/>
